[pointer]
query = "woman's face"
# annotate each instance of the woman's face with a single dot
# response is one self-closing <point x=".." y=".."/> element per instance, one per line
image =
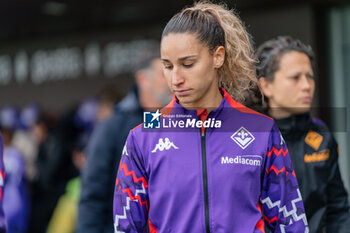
<point x="291" y="92"/>
<point x="190" y="69"/>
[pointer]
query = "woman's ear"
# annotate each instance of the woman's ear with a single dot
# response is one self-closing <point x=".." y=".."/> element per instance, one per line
<point x="265" y="87"/>
<point x="219" y="57"/>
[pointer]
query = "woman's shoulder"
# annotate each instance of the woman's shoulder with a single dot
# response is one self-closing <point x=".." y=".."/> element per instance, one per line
<point x="319" y="126"/>
<point x="252" y="116"/>
<point x="246" y="110"/>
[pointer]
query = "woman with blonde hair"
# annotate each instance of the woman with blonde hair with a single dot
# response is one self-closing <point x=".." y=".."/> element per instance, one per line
<point x="208" y="163"/>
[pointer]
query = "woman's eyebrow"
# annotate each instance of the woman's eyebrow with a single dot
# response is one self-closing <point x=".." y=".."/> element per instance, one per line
<point x="164" y="60"/>
<point x="187" y="57"/>
<point x="180" y="59"/>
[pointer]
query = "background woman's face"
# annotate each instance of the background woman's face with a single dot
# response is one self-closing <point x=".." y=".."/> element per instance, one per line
<point x="292" y="90"/>
<point x="189" y="69"/>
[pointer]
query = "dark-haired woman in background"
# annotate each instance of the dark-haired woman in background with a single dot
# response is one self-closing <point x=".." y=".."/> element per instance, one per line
<point x="286" y="77"/>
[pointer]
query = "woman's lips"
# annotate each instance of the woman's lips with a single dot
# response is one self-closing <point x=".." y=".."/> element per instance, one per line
<point x="183" y="92"/>
<point x="306" y="99"/>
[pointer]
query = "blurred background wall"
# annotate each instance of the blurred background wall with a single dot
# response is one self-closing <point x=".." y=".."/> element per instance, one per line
<point x="56" y="53"/>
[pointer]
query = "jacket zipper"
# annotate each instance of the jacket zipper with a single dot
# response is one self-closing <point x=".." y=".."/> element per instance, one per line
<point x="205" y="181"/>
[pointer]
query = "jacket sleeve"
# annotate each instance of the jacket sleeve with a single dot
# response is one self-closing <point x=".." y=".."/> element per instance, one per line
<point x="338" y="215"/>
<point x="2" y="184"/>
<point x="130" y="207"/>
<point x="281" y="200"/>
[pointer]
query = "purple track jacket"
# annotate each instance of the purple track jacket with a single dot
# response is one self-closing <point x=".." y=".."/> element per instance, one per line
<point x="228" y="172"/>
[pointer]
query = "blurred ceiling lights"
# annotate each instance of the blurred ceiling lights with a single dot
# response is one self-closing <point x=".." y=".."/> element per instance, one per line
<point x="54" y="8"/>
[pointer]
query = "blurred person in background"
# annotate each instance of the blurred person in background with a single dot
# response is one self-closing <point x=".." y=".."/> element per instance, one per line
<point x="107" y="98"/>
<point x="65" y="214"/>
<point x="16" y="196"/>
<point x="2" y="184"/>
<point x="41" y="195"/>
<point x="54" y="160"/>
<point x="107" y="141"/>
<point x="24" y="140"/>
<point x="286" y="76"/>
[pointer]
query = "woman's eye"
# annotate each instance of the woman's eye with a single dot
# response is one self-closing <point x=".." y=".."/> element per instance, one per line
<point x="310" y="76"/>
<point x="296" y="77"/>
<point x="168" y="67"/>
<point x="188" y="65"/>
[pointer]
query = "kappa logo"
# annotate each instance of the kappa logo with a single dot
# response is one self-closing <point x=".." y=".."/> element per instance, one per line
<point x="164" y="145"/>
<point x="125" y="151"/>
<point x="282" y="140"/>
<point x="242" y="137"/>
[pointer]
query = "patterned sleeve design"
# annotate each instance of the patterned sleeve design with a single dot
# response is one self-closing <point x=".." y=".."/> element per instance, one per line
<point x="281" y="199"/>
<point x="130" y="207"/>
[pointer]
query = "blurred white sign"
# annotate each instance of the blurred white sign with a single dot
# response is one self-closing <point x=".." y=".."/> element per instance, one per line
<point x="64" y="63"/>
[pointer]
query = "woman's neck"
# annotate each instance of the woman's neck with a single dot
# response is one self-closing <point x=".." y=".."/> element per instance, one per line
<point x="210" y="101"/>
<point x="278" y="113"/>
